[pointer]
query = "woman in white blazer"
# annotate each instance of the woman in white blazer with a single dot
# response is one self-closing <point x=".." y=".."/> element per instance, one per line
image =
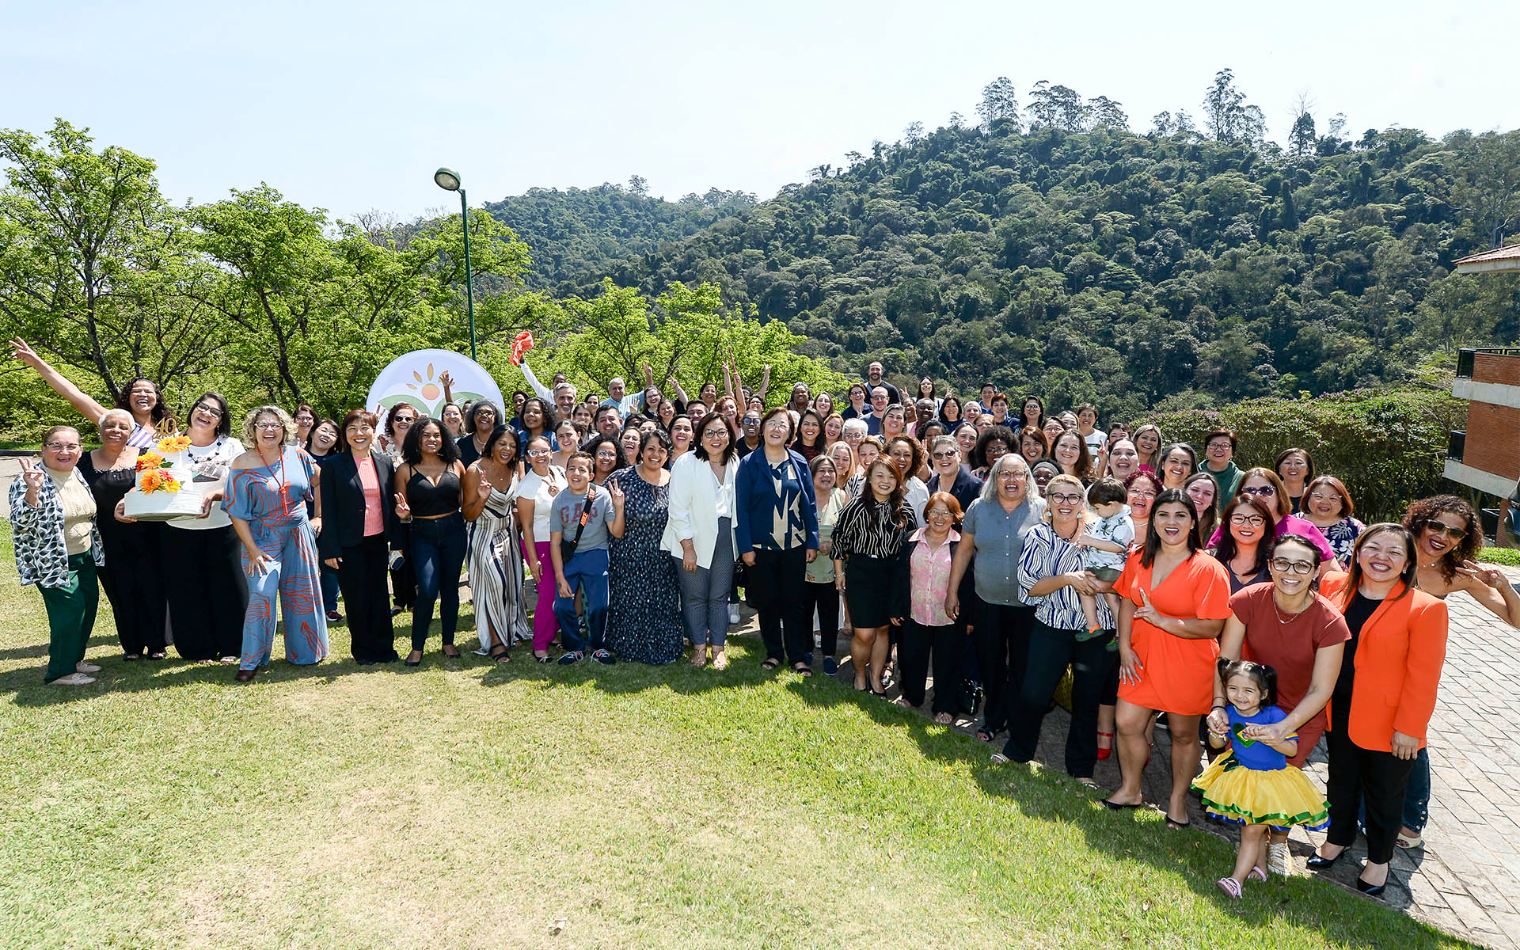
<point x="700" y="534"/>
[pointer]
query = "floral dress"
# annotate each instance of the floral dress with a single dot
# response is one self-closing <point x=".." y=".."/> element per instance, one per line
<point x="644" y="617"/>
<point x="271" y="498"/>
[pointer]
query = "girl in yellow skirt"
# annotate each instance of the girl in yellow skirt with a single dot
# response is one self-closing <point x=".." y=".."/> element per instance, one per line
<point x="1253" y="784"/>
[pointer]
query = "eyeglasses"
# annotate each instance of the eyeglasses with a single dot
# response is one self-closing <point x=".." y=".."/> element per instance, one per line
<point x="1212" y="446"/>
<point x="1254" y="521"/>
<point x="1141" y="493"/>
<point x="1283" y="566"/>
<point x="538" y="453"/>
<point x="606" y="455"/>
<point x="1440" y="527"/>
<point x="937" y="513"/>
<point x="268" y="426"/>
<point x="64" y="446"/>
<point x="1259" y="490"/>
<point x="211" y="411"/>
<point x="1064" y="499"/>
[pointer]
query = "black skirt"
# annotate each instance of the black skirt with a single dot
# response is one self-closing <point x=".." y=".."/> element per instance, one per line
<point x="868" y="589"/>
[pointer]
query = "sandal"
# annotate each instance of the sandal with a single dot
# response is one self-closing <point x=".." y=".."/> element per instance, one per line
<point x="982" y="735"/>
<point x="1407" y="842"/>
<point x="132" y="657"/>
<point x="720" y="660"/>
<point x="1256" y="874"/>
<point x="770" y="664"/>
<point x="944" y="719"/>
<point x="699" y="657"/>
<point x="503" y="657"/>
<point x="157" y="655"/>
<point x="1229" y="886"/>
<point x="543" y="658"/>
<point x="802" y="669"/>
<point x="453" y="656"/>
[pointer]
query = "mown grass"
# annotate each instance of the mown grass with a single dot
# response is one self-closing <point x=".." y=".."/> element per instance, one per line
<point x="465" y="805"/>
<point x="1510" y="557"/>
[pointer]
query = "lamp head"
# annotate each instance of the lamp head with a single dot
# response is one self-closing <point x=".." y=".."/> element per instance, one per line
<point x="447" y="179"/>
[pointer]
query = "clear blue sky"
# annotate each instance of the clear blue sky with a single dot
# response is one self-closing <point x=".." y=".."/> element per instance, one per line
<point x="350" y="106"/>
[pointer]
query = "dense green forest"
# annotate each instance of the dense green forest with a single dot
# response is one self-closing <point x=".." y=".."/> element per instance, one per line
<point x="1052" y="250"/>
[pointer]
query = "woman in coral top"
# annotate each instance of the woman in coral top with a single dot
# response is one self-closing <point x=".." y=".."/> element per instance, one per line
<point x="1384" y="697"/>
<point x="1176" y="600"/>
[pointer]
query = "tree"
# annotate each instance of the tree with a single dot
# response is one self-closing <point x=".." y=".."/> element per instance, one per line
<point x="1228" y="116"/>
<point x="638" y="185"/>
<point x="1000" y="104"/>
<point x="1055" y="107"/>
<point x="914" y="133"/>
<point x="1301" y="135"/>
<point x="1105" y="113"/>
<point x="94" y="265"/>
<point x="1164" y="124"/>
<point x="1488" y="183"/>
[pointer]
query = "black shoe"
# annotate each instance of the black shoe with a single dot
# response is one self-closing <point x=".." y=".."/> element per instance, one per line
<point x="1371" y="890"/>
<point x="603" y="657"/>
<point x="411" y="662"/>
<point x="1317" y="863"/>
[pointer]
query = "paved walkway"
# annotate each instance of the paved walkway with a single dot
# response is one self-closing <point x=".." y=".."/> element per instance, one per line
<point x="1466" y="879"/>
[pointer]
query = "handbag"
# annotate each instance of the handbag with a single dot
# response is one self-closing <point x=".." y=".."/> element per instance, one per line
<point x="567" y="548"/>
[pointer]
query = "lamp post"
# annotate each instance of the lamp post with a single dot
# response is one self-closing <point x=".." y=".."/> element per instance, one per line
<point x="448" y="180"/>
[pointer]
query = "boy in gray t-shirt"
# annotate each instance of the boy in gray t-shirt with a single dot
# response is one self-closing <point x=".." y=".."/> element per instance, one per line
<point x="587" y="568"/>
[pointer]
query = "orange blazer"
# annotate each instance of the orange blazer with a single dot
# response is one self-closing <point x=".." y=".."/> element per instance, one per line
<point x="1399" y="655"/>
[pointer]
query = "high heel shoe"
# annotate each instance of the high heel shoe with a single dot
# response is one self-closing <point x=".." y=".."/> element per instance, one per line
<point x="1371" y="890"/>
<point x="246" y="676"/>
<point x="411" y="662"/>
<point x="1317" y="863"/>
<point x="1102" y="752"/>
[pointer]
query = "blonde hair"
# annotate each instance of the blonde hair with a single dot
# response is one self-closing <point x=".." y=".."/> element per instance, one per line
<point x="251" y="433"/>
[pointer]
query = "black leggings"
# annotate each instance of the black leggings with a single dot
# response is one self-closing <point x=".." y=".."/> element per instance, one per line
<point x="824" y="598"/>
<point x="1001" y="634"/>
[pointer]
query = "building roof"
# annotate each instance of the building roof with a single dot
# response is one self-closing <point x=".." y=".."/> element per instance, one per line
<point x="1499" y="259"/>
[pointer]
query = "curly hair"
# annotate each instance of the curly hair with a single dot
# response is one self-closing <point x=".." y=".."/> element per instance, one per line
<point x="250" y="425"/>
<point x="1426" y="509"/>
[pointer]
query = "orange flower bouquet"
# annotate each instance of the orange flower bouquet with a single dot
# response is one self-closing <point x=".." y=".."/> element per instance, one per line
<point x="148" y="461"/>
<point x="156" y="480"/>
<point x="173" y="444"/>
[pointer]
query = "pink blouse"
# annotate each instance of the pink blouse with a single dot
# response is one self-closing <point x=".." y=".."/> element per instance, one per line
<point x="931" y="579"/>
<point x="374" y="515"/>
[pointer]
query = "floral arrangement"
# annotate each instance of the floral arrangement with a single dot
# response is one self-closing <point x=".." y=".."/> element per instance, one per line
<point x="173" y="444"/>
<point x="156" y="480"/>
<point x="148" y="461"/>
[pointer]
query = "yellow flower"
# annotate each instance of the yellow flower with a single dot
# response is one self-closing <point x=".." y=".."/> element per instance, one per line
<point x="148" y="461"/>
<point x="173" y="444"/>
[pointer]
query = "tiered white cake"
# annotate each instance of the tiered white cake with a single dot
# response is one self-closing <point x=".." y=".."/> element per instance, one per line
<point x="166" y="486"/>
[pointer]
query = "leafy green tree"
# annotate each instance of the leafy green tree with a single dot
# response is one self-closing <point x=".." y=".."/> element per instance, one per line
<point x="1000" y="104"/>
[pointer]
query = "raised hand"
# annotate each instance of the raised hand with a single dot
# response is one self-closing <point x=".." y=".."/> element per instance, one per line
<point x="1147" y="612"/>
<point x="444" y="379"/>
<point x="22" y="351"/>
<point x="1491" y="576"/>
<point x="32" y="477"/>
<point x="615" y="488"/>
<point x="403" y="510"/>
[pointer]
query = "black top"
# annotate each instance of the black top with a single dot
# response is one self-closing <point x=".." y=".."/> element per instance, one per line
<point x="966" y="489"/>
<point x="427" y="500"/>
<point x="467" y="451"/>
<point x="108" y="486"/>
<point x="1357" y="614"/>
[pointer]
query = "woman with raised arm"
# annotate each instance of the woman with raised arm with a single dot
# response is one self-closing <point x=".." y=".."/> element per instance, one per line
<point x="496" y="564"/>
<point x="427" y="492"/>
<point x="132" y="575"/>
<point x="140" y="396"/>
<point x="58" y="549"/>
<point x="356" y="532"/>
<point x="266" y="494"/>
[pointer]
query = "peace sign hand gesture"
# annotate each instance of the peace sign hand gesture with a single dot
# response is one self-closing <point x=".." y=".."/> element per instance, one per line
<point x="22" y="351"/>
<point x="1147" y="611"/>
<point x="1491" y="576"/>
<point x="32" y="477"/>
<point x="615" y="488"/>
<point x="403" y="510"/>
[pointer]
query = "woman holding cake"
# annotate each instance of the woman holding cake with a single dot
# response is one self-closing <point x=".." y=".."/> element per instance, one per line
<point x="266" y="495"/>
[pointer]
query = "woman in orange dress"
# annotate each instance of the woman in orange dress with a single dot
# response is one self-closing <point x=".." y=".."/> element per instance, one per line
<point x="1176" y="600"/>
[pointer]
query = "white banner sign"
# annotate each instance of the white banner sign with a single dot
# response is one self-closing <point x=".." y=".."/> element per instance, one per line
<point x="414" y="378"/>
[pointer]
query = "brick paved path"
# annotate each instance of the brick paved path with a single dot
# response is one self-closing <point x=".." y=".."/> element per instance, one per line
<point x="1466" y="879"/>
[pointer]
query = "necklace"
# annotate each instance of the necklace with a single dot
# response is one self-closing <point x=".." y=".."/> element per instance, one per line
<point x="277" y="486"/>
<point x="1074" y="533"/>
<point x="1280" y="618"/>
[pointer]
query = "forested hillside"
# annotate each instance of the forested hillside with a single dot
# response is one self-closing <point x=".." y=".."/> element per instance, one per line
<point x="582" y="231"/>
<point x="1055" y="251"/>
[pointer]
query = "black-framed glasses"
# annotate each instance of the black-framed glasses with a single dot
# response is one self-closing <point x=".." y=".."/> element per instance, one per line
<point x="1283" y="565"/>
<point x="1254" y="521"/>
<point x="1441" y="527"/>
<point x="1064" y="499"/>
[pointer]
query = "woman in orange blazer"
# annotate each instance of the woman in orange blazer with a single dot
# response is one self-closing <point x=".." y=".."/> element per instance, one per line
<point x="1384" y="697"/>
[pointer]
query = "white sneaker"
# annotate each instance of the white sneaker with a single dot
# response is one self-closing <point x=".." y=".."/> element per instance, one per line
<point x="74" y="679"/>
<point x="1278" y="861"/>
<point x="82" y="667"/>
<point x="733" y="613"/>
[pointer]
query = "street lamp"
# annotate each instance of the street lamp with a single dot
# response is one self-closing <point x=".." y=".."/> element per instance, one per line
<point x="448" y="180"/>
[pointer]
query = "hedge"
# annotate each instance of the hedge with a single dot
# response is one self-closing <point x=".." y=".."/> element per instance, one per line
<point x="1387" y="445"/>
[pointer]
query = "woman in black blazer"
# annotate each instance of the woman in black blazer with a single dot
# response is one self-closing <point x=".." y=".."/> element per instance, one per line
<point x="358" y="517"/>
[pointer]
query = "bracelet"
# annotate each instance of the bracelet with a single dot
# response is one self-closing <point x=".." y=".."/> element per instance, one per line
<point x="1219" y="706"/>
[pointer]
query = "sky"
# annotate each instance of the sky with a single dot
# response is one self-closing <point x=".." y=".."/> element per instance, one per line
<point x="351" y="106"/>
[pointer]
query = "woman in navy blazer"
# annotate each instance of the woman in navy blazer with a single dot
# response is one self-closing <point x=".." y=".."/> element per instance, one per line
<point x="776" y="535"/>
<point x="358" y="518"/>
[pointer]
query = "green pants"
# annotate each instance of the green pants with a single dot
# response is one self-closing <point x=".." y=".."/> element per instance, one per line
<point x="71" y="616"/>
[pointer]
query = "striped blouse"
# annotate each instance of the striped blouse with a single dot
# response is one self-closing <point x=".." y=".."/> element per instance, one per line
<point x="864" y="528"/>
<point x="1045" y="554"/>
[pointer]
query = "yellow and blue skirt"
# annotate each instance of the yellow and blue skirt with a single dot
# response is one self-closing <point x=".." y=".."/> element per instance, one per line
<point x="1279" y="798"/>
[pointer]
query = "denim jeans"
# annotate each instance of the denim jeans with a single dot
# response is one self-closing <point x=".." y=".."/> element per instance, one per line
<point x="438" y="549"/>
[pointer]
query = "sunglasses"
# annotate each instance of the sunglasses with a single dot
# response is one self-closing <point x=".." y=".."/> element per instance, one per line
<point x="1439" y="527"/>
<point x="1261" y="490"/>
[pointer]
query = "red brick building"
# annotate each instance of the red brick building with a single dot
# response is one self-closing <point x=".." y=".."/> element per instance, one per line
<point x="1486" y="455"/>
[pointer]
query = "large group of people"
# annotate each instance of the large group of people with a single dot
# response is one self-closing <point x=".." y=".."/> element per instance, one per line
<point x="988" y="541"/>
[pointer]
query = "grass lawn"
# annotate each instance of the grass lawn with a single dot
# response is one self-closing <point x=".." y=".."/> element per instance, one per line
<point x="466" y="805"/>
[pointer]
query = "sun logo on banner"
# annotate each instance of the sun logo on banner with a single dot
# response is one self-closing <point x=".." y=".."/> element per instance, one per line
<point x="427" y="388"/>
